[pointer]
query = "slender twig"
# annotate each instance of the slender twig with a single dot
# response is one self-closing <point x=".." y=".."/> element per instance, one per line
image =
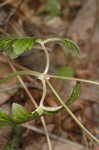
<point x="29" y="94"/>
<point x="24" y="86"/>
<point x="17" y="86"/>
<point x="34" y="102"/>
<point x="44" y="92"/>
<point x="51" y="40"/>
<point x="47" y="134"/>
<point x="71" y="114"/>
<point x="74" y="79"/>
<point x="51" y="76"/>
<point x="53" y="136"/>
<point x="43" y="75"/>
<point x="47" y="58"/>
<point x="42" y="78"/>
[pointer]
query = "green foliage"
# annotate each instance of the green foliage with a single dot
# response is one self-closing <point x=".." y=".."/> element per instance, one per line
<point x="72" y="98"/>
<point x="16" y="46"/>
<point x="5" y="120"/>
<point x="75" y="95"/>
<point x="21" y="115"/>
<point x="13" y="47"/>
<point x="70" y="46"/>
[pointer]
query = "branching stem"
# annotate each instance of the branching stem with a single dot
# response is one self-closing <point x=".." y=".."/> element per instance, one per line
<point x="71" y="114"/>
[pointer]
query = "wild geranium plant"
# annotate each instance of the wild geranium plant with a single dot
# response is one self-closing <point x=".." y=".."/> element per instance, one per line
<point x="14" y="47"/>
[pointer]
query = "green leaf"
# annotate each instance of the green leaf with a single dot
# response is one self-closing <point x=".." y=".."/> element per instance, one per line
<point x="5" y="120"/>
<point x="65" y="71"/>
<point x="20" y="45"/>
<point x="75" y="94"/>
<point x="70" y="46"/>
<point x="73" y="97"/>
<point x="13" y="47"/>
<point x="20" y="114"/>
<point x="5" y="43"/>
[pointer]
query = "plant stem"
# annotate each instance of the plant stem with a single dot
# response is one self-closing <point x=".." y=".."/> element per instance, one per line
<point x="71" y="114"/>
<point x="15" y="140"/>
<point x="34" y="102"/>
<point x="52" y="40"/>
<point x="47" y="57"/>
<point x="38" y="74"/>
<point x="44" y="92"/>
<point x="74" y="79"/>
<point x="22" y="83"/>
<point x="47" y="134"/>
<point x="21" y="73"/>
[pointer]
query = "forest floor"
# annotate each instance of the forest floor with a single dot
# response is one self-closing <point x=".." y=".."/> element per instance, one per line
<point x="77" y="21"/>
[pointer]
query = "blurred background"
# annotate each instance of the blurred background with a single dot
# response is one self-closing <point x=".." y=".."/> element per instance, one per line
<point x="77" y="20"/>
